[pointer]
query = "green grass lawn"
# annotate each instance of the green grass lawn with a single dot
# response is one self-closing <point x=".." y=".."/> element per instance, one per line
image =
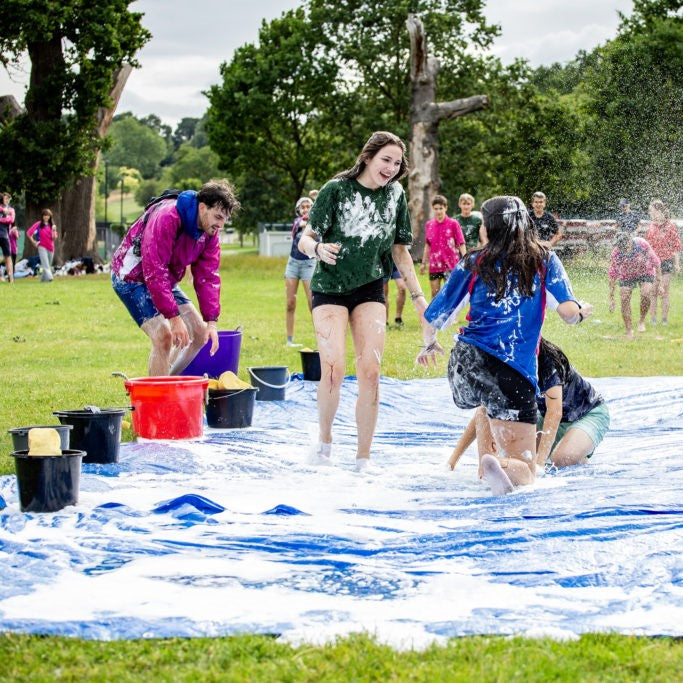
<point x="61" y="341"/>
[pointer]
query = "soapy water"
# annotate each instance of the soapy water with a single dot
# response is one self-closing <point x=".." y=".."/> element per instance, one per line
<point x="234" y="533"/>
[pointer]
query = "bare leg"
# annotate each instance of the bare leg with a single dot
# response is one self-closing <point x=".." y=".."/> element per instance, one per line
<point x="158" y="330"/>
<point x="9" y="268"/>
<point x="400" y="296"/>
<point x="664" y="293"/>
<point x="291" y="286"/>
<point x="657" y="290"/>
<point x="515" y="440"/>
<point x="368" y="332"/>
<point x="435" y="286"/>
<point x="625" y="297"/>
<point x="467" y="438"/>
<point x="330" y="327"/>
<point x="181" y="358"/>
<point x="309" y="296"/>
<point x="645" y="299"/>
<point x="573" y="448"/>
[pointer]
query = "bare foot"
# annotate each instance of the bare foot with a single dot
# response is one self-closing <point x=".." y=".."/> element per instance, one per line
<point x="629" y="334"/>
<point x="495" y="476"/>
<point x="641" y="327"/>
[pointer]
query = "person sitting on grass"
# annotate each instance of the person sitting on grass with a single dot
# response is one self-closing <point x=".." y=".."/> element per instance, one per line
<point x="635" y="264"/>
<point x="573" y="417"/>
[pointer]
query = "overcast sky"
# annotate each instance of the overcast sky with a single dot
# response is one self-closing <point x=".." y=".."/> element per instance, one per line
<point x="187" y="46"/>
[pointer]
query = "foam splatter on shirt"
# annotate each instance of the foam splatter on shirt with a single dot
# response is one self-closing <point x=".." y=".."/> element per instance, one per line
<point x="366" y="223"/>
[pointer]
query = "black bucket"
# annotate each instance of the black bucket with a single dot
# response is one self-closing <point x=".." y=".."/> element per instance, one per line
<point x="20" y="436"/>
<point x="230" y="408"/>
<point x="96" y="433"/>
<point x="271" y="382"/>
<point x="48" y="483"/>
<point x="310" y="364"/>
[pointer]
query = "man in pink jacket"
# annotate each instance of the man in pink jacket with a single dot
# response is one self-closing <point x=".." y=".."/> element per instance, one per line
<point x="175" y="232"/>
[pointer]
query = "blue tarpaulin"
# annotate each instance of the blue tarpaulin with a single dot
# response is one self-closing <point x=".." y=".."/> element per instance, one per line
<point x="234" y="533"/>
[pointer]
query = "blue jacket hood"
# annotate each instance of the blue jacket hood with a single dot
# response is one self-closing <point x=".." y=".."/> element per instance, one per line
<point x="187" y="207"/>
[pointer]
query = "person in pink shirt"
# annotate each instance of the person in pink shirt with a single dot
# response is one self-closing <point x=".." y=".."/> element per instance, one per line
<point x="43" y="234"/>
<point x="633" y="263"/>
<point x="444" y="244"/>
<point x="666" y="242"/>
<point x="6" y="222"/>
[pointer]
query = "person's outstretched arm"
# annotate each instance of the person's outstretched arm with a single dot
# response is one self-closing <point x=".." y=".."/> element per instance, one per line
<point x="551" y="421"/>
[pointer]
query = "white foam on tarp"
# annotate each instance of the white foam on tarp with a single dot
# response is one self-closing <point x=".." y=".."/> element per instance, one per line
<point x="412" y="554"/>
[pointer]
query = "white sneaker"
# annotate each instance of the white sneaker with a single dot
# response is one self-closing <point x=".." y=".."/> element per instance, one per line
<point x="320" y="454"/>
<point x="293" y="345"/>
<point x="365" y="466"/>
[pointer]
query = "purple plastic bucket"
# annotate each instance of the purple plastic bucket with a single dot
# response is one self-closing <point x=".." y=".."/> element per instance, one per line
<point x="226" y="358"/>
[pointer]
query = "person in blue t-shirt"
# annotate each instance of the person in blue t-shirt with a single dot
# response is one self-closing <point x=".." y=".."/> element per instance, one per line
<point x="508" y="283"/>
<point x="573" y="416"/>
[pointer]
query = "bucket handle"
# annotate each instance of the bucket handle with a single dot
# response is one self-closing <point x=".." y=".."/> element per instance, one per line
<point x="235" y="393"/>
<point x="271" y="386"/>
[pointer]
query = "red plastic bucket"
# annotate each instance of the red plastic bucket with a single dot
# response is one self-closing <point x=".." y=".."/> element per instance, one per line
<point x="167" y="407"/>
<point x="226" y="358"/>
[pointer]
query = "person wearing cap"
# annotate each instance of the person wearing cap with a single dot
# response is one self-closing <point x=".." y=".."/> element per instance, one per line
<point x="627" y="220"/>
<point x="544" y="222"/>
<point x="634" y="264"/>
<point x="299" y="267"/>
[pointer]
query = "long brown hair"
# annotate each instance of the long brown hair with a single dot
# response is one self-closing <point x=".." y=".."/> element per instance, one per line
<point x="379" y="139"/>
<point x="513" y="255"/>
<point x="546" y="349"/>
<point x="48" y="213"/>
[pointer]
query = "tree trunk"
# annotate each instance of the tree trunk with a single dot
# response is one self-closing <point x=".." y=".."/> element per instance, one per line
<point x="425" y="116"/>
<point x="77" y="206"/>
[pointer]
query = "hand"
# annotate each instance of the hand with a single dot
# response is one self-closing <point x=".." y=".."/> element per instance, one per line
<point x="586" y="309"/>
<point x="327" y="252"/>
<point x="428" y="352"/>
<point x="180" y="337"/>
<point x="422" y="269"/>
<point x="213" y="336"/>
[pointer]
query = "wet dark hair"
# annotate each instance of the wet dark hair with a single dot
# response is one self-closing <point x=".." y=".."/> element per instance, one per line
<point x="622" y="239"/>
<point x="376" y="141"/>
<point x="219" y="193"/>
<point x="512" y="250"/>
<point x="552" y="352"/>
<point x="439" y="199"/>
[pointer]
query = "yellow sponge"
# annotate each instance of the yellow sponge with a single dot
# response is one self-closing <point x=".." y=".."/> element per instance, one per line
<point x="214" y="384"/>
<point x="307" y="350"/>
<point x="44" y="442"/>
<point x="229" y="380"/>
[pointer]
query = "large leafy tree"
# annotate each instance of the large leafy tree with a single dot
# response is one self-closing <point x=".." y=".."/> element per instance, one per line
<point x="136" y="145"/>
<point x="635" y="103"/>
<point x="274" y="113"/>
<point x="76" y="48"/>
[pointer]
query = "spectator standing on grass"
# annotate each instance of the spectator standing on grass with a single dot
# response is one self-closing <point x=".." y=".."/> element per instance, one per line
<point x="13" y="239"/>
<point x="469" y="222"/>
<point x="401" y="290"/>
<point x="546" y="226"/>
<point x="444" y="244"/>
<point x="299" y="268"/>
<point x="664" y="239"/>
<point x="43" y="234"/>
<point x="634" y="264"/>
<point x="175" y="231"/>
<point x="7" y="217"/>
<point x="627" y="220"/>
